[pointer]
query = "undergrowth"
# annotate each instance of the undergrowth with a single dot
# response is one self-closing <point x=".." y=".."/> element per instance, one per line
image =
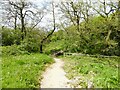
<point x="102" y="72"/>
<point x="23" y="71"/>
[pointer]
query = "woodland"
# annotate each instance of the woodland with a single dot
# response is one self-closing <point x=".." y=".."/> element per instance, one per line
<point x="32" y="33"/>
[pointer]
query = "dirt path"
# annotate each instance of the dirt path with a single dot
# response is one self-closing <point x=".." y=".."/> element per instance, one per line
<point x="54" y="76"/>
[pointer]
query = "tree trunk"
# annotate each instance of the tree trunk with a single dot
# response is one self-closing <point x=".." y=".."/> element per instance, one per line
<point x="54" y="27"/>
<point x="15" y="21"/>
<point x="41" y="48"/>
<point x="108" y="35"/>
<point x="78" y="23"/>
<point x="22" y="24"/>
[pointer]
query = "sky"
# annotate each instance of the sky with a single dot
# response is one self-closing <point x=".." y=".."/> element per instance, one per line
<point x="47" y="20"/>
<point x="49" y="17"/>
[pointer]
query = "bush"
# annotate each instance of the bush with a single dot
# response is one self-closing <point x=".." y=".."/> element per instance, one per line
<point x="54" y="47"/>
<point x="13" y="50"/>
<point x="30" y="45"/>
<point x="10" y="37"/>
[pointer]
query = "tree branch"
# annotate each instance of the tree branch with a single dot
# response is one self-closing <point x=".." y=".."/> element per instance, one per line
<point x="28" y="11"/>
<point x="37" y="23"/>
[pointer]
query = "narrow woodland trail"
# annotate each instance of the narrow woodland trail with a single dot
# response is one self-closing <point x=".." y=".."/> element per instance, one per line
<point x="54" y="76"/>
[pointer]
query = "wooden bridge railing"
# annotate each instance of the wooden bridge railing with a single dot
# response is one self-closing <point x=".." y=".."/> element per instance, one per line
<point x="80" y="54"/>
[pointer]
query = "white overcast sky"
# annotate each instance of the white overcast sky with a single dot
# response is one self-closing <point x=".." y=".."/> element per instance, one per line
<point x="48" y="17"/>
<point x="45" y="21"/>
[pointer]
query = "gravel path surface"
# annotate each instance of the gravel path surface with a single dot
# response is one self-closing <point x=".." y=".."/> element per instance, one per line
<point x="54" y="76"/>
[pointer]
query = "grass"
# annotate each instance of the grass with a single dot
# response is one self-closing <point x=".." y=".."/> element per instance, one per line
<point x="23" y="71"/>
<point x="102" y="72"/>
<point x="0" y="70"/>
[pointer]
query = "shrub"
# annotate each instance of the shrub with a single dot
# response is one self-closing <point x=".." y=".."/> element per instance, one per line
<point x="13" y="50"/>
<point x="10" y="37"/>
<point x="30" y="45"/>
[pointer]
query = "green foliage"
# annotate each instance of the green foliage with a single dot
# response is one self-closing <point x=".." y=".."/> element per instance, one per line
<point x="103" y="72"/>
<point x="55" y="43"/>
<point x="13" y="50"/>
<point x="30" y="45"/>
<point x="23" y="71"/>
<point x="53" y="47"/>
<point x="57" y="35"/>
<point x="97" y="36"/>
<point x="10" y="36"/>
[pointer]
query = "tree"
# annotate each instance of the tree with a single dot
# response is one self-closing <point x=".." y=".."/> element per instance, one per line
<point x="22" y="10"/>
<point x="9" y="15"/>
<point x="105" y="13"/>
<point x="71" y="12"/>
<point x="49" y="34"/>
